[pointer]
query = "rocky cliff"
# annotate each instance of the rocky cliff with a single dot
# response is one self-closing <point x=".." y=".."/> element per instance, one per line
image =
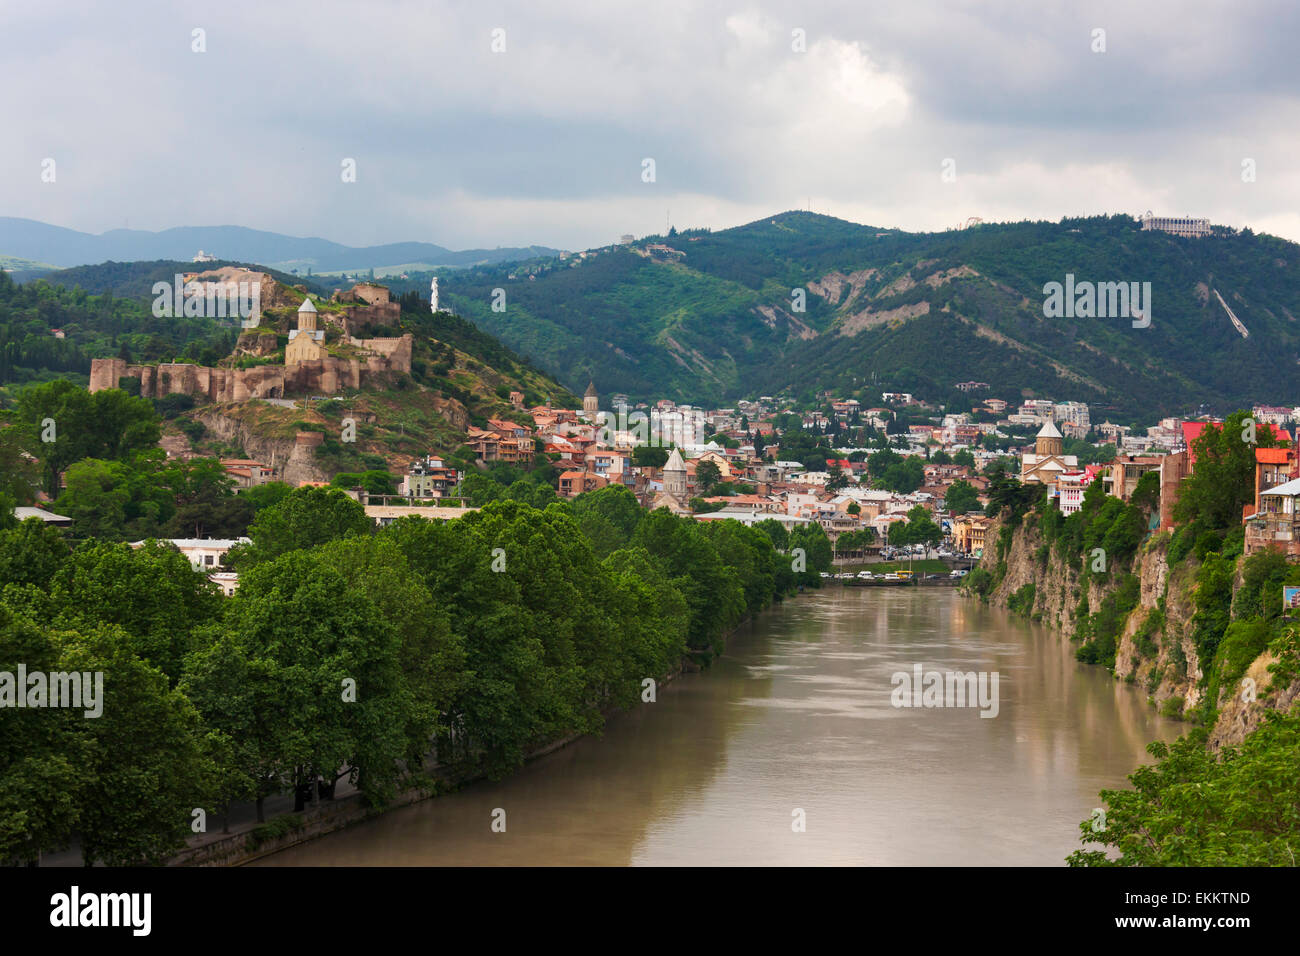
<point x="292" y="458"/>
<point x="1152" y="606"/>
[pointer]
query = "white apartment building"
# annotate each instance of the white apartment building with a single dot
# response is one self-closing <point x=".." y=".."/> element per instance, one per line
<point x="204" y="553"/>
<point x="682" y="426"/>
<point x="1186" y="226"/>
<point x="1040" y="409"/>
<point x="1071" y="486"/>
<point x="1074" y="412"/>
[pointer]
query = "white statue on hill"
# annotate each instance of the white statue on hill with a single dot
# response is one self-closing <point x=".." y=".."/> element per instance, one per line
<point x="433" y="295"/>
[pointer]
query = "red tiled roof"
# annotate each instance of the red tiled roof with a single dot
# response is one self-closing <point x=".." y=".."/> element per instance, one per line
<point x="1193" y="431"/>
<point x="1273" y="456"/>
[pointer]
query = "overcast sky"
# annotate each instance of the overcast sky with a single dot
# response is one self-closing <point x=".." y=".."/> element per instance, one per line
<point x="544" y="143"/>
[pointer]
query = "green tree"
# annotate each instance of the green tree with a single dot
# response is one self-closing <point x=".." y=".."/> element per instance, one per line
<point x="614" y="502"/>
<point x="713" y="594"/>
<point x="649" y="456"/>
<point x="152" y="593"/>
<point x="375" y="482"/>
<point x="775" y="531"/>
<point x="302" y="519"/>
<point x="1223" y="478"/>
<point x="206" y="505"/>
<point x="266" y="494"/>
<point x="41" y="753"/>
<point x="504" y="705"/>
<point x="1198" y="808"/>
<point x="707" y="474"/>
<point x="818" y="553"/>
<point x="19" y="475"/>
<point x="919" y="528"/>
<point x="145" y="767"/>
<point x="108" y="424"/>
<point x="31" y="553"/>
<point x="961" y="497"/>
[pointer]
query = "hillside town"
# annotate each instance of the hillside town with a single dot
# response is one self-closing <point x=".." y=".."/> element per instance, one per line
<point x="730" y="464"/>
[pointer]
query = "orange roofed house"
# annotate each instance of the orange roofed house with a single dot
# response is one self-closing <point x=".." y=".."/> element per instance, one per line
<point x="502" y="441"/>
<point x="1271" y="520"/>
<point x="574" y="483"/>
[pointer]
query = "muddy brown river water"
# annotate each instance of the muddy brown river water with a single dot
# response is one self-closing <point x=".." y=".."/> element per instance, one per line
<point x="799" y="716"/>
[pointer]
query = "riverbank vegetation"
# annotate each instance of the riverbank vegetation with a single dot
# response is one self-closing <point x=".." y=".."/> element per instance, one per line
<point x="349" y="652"/>
<point x="1203" y="803"/>
<point x="1194" y="807"/>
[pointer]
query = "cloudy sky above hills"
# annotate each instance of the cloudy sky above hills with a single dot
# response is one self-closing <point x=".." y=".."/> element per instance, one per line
<point x="544" y="142"/>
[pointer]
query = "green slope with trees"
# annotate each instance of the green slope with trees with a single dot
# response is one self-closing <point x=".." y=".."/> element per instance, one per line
<point x="716" y="319"/>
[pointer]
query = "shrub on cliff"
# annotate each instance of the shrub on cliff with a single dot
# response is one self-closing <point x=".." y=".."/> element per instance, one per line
<point x="1242" y="642"/>
<point x="1100" y="631"/>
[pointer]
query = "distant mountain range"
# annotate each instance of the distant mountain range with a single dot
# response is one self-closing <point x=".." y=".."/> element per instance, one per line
<point x="809" y="303"/>
<point x="38" y="242"/>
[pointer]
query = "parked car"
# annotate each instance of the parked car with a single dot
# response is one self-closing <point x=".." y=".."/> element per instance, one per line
<point x="891" y="576"/>
<point x="865" y="575"/>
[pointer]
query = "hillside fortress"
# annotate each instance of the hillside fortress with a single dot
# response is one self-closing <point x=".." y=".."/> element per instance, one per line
<point x="310" y="366"/>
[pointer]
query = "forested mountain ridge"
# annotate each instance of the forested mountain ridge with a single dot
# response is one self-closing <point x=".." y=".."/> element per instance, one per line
<point x="709" y="317"/>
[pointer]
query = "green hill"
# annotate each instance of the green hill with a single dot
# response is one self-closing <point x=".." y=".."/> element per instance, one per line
<point x="455" y="365"/>
<point x="136" y="279"/>
<point x="709" y="316"/>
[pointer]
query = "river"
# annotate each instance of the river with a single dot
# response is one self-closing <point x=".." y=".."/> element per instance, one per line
<point x="798" y="717"/>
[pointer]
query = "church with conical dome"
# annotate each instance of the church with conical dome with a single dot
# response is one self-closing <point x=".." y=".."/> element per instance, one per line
<point x="590" y="401"/>
<point x="674" y="492"/>
<point x="1048" y="459"/>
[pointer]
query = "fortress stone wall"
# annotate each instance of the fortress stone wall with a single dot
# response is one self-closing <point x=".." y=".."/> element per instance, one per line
<point x="318" y="377"/>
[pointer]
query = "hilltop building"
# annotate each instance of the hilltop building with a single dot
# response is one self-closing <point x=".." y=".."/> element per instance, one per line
<point x="306" y="341"/>
<point x="1189" y="228"/>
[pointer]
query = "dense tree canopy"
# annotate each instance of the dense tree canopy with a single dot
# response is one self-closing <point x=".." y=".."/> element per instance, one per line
<point x="73" y="424"/>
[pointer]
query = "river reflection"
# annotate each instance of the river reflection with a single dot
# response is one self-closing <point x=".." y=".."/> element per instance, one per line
<point x="798" y="715"/>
